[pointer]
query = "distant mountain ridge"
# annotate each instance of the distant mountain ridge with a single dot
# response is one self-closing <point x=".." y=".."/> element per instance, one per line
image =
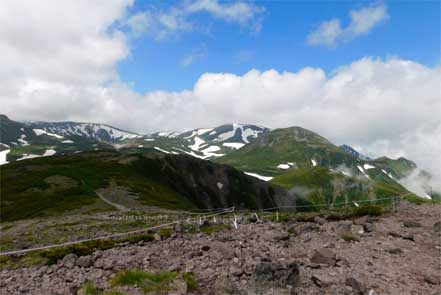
<point x="255" y="150"/>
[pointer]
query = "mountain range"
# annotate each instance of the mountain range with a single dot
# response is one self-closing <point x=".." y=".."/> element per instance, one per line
<point x="296" y="162"/>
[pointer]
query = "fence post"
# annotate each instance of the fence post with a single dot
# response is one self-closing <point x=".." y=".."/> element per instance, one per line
<point x="277" y="216"/>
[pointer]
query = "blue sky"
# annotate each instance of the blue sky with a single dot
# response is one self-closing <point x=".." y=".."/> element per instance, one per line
<point x="410" y="32"/>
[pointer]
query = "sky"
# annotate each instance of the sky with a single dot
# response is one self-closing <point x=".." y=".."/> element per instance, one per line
<point x="364" y="73"/>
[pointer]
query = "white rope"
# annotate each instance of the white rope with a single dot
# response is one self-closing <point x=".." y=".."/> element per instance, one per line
<point x="215" y="213"/>
<point x="227" y="210"/>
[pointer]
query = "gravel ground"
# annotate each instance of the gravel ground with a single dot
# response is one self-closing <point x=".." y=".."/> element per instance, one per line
<point x="397" y="253"/>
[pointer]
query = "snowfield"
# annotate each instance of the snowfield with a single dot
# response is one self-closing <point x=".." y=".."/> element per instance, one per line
<point x="3" y="157"/>
<point x="234" y="145"/>
<point x="161" y="150"/>
<point x="39" y="132"/>
<point x="283" y="166"/>
<point x="367" y="167"/>
<point x="265" y="178"/>
<point x="47" y="153"/>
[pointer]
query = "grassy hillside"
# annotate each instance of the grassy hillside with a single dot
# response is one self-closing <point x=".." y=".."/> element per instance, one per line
<point x="319" y="185"/>
<point x="60" y="184"/>
<point x="289" y="145"/>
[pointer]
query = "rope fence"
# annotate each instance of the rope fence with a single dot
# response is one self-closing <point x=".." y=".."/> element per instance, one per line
<point x="201" y="217"/>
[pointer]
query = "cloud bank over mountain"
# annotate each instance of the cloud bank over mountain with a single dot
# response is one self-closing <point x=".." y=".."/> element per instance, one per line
<point x="63" y="66"/>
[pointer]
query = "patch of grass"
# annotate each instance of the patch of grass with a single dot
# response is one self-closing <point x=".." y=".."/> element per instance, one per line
<point x="372" y="210"/>
<point x="348" y="238"/>
<point x="214" y="228"/>
<point x="165" y="233"/>
<point x="159" y="282"/>
<point x="130" y="277"/>
<point x="89" y="288"/>
<point x="191" y="281"/>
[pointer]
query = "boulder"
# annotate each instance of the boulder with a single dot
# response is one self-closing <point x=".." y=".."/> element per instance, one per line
<point x="270" y="274"/>
<point x="253" y="218"/>
<point x="368" y="227"/>
<point x="281" y="237"/>
<point x="324" y="256"/>
<point x="322" y="281"/>
<point x="157" y="236"/>
<point x="85" y="261"/>
<point x="69" y="260"/>
<point x="320" y="220"/>
<point x="224" y="285"/>
<point x="355" y="284"/>
<point x="357" y="230"/>
<point x="205" y="248"/>
<point x="432" y="278"/>
<point x="411" y="223"/>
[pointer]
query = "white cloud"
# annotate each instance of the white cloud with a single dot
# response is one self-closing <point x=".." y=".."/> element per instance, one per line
<point x="166" y="23"/>
<point x="330" y="33"/>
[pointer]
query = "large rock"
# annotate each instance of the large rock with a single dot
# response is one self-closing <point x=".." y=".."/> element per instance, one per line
<point x="324" y="256"/>
<point x="320" y="220"/>
<point x="411" y="223"/>
<point x="224" y="285"/>
<point x="69" y="260"/>
<point x="355" y="284"/>
<point x="270" y="274"/>
<point x="322" y="281"/>
<point x="85" y="261"/>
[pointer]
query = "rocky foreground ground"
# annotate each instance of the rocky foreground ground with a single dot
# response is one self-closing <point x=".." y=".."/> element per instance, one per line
<point x="397" y="253"/>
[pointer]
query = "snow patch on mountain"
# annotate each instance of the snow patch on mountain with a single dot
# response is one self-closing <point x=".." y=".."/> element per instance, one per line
<point x="283" y="166"/>
<point x="362" y="171"/>
<point x="197" y="143"/>
<point x="367" y="167"/>
<point x="3" y="155"/>
<point x="22" y="140"/>
<point x="39" y="132"/>
<point x="90" y="130"/>
<point x="161" y="150"/>
<point x="67" y="141"/>
<point x="261" y="177"/>
<point x="234" y="145"/>
<point x="47" y="153"/>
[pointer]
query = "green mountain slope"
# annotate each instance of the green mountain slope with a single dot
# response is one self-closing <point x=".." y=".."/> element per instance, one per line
<point x="295" y="147"/>
<point x="319" y="185"/>
<point x="64" y="184"/>
<point x="299" y="158"/>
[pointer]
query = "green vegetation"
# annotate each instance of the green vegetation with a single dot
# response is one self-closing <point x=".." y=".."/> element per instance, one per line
<point x="372" y="210"/>
<point x="348" y="238"/>
<point x="191" y="281"/>
<point x="214" y="228"/>
<point x="295" y="144"/>
<point x="160" y="282"/>
<point x="89" y="288"/>
<point x="51" y="256"/>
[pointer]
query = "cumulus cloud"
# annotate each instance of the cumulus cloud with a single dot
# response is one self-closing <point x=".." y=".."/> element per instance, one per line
<point x="166" y="23"/>
<point x="331" y="33"/>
